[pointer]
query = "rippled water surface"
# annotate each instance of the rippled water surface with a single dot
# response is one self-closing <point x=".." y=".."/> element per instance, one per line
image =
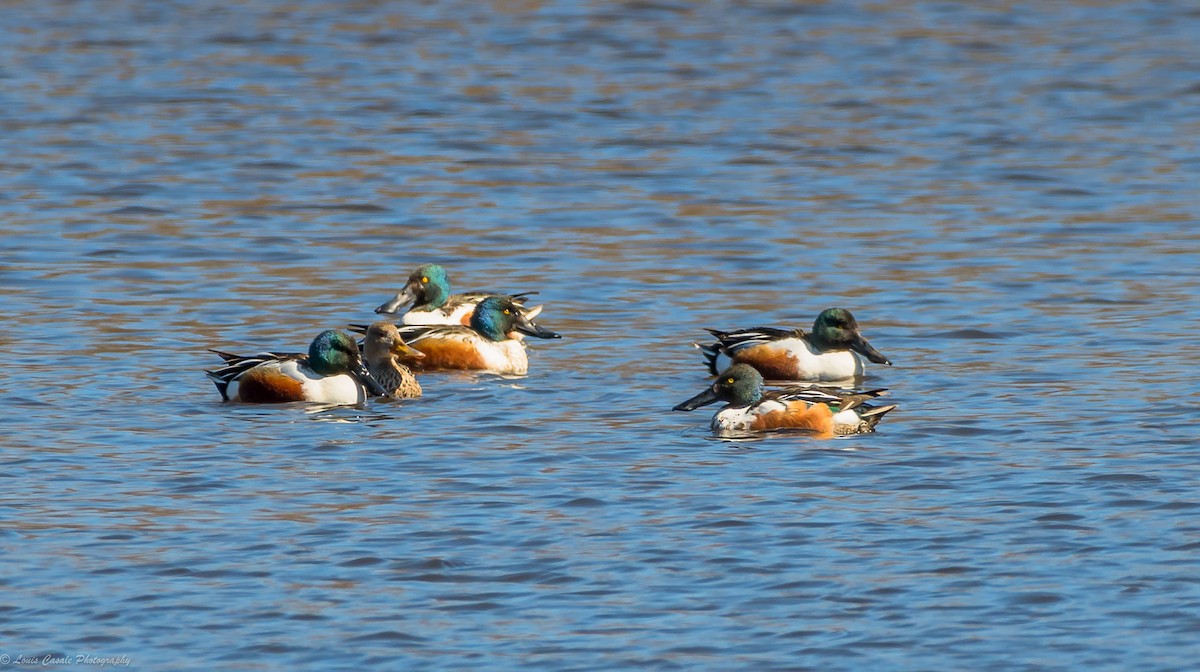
<point x="1005" y="194"/>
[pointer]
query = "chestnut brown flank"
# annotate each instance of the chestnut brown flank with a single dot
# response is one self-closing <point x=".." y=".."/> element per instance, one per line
<point x="268" y="386"/>
<point x="445" y="354"/>
<point x="772" y="362"/>
<point x="798" y="415"/>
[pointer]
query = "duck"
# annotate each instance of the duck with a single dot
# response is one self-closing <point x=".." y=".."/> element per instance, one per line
<point x="490" y="343"/>
<point x="827" y="411"/>
<point x="428" y="289"/>
<point x="382" y="348"/>
<point x="831" y="352"/>
<point x="332" y="372"/>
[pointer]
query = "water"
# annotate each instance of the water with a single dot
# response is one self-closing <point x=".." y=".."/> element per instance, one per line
<point x="1004" y="195"/>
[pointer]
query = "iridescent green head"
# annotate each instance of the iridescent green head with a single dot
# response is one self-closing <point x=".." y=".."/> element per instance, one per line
<point x="497" y="316"/>
<point x="334" y="353"/>
<point x="739" y="385"/>
<point x="836" y="329"/>
<point x="427" y="288"/>
<point x="430" y="286"/>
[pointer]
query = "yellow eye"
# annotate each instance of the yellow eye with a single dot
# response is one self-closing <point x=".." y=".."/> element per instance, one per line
<point x="729" y="381"/>
<point x="424" y="279"/>
<point x="507" y="311"/>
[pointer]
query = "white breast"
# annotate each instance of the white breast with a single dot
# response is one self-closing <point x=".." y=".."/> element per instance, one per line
<point x="340" y="389"/>
<point x="741" y="418"/>
<point x="506" y="357"/>
<point x="828" y="366"/>
<point x="438" y="316"/>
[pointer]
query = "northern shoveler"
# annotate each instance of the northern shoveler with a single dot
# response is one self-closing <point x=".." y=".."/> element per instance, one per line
<point x="332" y="373"/>
<point x="828" y="411"/>
<point x="826" y="354"/>
<point x="383" y="349"/>
<point x="428" y="289"/>
<point x="489" y="344"/>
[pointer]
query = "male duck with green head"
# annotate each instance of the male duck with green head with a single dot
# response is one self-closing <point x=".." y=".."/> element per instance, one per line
<point x="827" y="411"/>
<point x="491" y="342"/>
<point x="428" y="289"/>
<point x="829" y="353"/>
<point x="331" y="373"/>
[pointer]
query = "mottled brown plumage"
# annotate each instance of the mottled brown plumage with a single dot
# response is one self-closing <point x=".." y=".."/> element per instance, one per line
<point x="384" y="350"/>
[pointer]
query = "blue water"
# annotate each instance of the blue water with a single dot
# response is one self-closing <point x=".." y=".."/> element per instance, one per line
<point x="1004" y="196"/>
